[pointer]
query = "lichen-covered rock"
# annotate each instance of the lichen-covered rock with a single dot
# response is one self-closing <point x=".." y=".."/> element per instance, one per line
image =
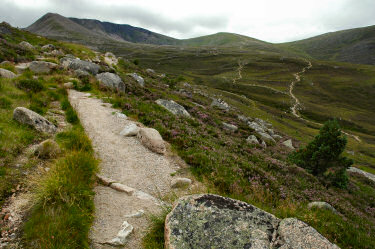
<point x="47" y="149"/>
<point x="7" y="74"/>
<point x="180" y="182"/>
<point x="130" y="130"/>
<point x="321" y="205"/>
<point x="294" y="233"/>
<point x="221" y="104"/>
<point x="138" y="78"/>
<point x="212" y="221"/>
<point x="73" y="63"/>
<point x="28" y="117"/>
<point x="230" y="127"/>
<point x="112" y="81"/>
<point x="151" y="139"/>
<point x="42" y="66"/>
<point x="173" y="107"/>
<point x="26" y="45"/>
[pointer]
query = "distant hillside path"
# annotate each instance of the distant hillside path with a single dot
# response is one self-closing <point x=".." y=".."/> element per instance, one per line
<point x="294" y="108"/>
<point x="127" y="161"/>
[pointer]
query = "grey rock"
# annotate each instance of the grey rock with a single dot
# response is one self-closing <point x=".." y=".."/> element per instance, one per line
<point x="112" y="81"/>
<point x="252" y="140"/>
<point x="80" y="73"/>
<point x="243" y="118"/>
<point x="26" y="45"/>
<point x="22" y="67"/>
<point x="361" y="172"/>
<point x="180" y="182"/>
<point x="110" y="59"/>
<point x="130" y="130"/>
<point x="212" y="221"/>
<point x="42" y="66"/>
<point x="120" y="240"/>
<point x="173" y="107"/>
<point x="297" y="234"/>
<point x="276" y="137"/>
<point x="48" y="47"/>
<point x="28" y="117"/>
<point x="3" y="63"/>
<point x="185" y="93"/>
<point x="138" y="214"/>
<point x="321" y="205"/>
<point x="151" y="139"/>
<point x="69" y="63"/>
<point x="221" y="104"/>
<point x="263" y="123"/>
<point x="230" y="127"/>
<point x="138" y="78"/>
<point x="56" y="52"/>
<point x="7" y="74"/>
<point x="150" y="71"/>
<point x="47" y="149"/>
<point x="255" y="126"/>
<point x="266" y="137"/>
<point x="288" y="143"/>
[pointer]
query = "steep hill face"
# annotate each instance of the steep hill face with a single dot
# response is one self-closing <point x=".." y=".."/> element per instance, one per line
<point x="352" y="45"/>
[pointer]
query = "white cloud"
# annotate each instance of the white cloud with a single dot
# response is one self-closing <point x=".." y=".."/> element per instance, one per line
<point x="269" y="20"/>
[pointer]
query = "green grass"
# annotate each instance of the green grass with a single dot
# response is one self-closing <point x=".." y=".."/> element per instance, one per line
<point x="154" y="238"/>
<point x="63" y="211"/>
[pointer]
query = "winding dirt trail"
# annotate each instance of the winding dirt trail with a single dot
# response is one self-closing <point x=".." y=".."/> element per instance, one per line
<point x="126" y="161"/>
<point x="297" y="103"/>
<point x="239" y="70"/>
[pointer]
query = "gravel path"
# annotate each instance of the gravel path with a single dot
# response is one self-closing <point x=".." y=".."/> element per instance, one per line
<point x="127" y="161"/>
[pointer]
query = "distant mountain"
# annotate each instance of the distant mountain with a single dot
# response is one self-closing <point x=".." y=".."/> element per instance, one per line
<point x="352" y="45"/>
<point x="89" y="31"/>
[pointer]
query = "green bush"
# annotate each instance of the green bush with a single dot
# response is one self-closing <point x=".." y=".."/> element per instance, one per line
<point x="322" y="157"/>
<point x="30" y="85"/>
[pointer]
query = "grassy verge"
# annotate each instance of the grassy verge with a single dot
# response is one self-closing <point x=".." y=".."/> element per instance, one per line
<point x="63" y="209"/>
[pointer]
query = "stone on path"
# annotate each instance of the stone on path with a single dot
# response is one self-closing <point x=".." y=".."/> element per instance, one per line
<point x="28" y="117"/>
<point x="130" y="130"/>
<point x="151" y="139"/>
<point x="120" y="240"/>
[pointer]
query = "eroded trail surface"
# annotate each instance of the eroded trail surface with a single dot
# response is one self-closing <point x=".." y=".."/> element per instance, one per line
<point x="128" y="162"/>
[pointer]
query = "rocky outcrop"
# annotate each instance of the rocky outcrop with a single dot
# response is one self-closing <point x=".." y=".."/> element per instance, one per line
<point x="28" y="117"/>
<point x="112" y="81"/>
<point x="221" y="104"/>
<point x="7" y="74"/>
<point x="68" y="62"/>
<point x="212" y="221"/>
<point x="42" y="66"/>
<point x="173" y="107"/>
<point x="151" y="139"/>
<point x="321" y="205"/>
<point x="230" y="127"/>
<point x="26" y="45"/>
<point x="138" y="78"/>
<point x="361" y="172"/>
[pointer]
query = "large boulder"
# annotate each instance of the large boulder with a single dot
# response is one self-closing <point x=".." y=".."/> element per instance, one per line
<point x="212" y="221"/>
<point x="42" y="66"/>
<point x="151" y="139"/>
<point x="173" y="107"/>
<point x="26" y="45"/>
<point x="112" y="81"/>
<point x="138" y="78"/>
<point x="7" y="74"/>
<point x="68" y="62"/>
<point x="28" y="117"/>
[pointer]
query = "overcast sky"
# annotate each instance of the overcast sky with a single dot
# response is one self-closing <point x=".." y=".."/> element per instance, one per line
<point x="268" y="20"/>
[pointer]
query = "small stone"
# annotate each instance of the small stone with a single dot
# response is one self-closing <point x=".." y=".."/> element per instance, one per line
<point x="22" y="67"/>
<point x="120" y="115"/>
<point x="130" y="130"/>
<point x="288" y="143"/>
<point x="120" y="240"/>
<point x="230" y="127"/>
<point x="221" y="104"/>
<point x="150" y="71"/>
<point x="138" y="214"/>
<point x="68" y="85"/>
<point x="104" y="180"/>
<point x="180" y="182"/>
<point x="138" y="78"/>
<point x="321" y="205"/>
<point x="252" y="140"/>
<point x="48" y="47"/>
<point x="151" y="139"/>
<point x="47" y="149"/>
<point x="122" y="188"/>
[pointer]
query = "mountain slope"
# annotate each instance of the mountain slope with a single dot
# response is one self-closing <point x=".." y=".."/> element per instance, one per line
<point x="352" y="45"/>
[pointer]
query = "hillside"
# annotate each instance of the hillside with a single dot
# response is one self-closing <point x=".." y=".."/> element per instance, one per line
<point x="353" y="45"/>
